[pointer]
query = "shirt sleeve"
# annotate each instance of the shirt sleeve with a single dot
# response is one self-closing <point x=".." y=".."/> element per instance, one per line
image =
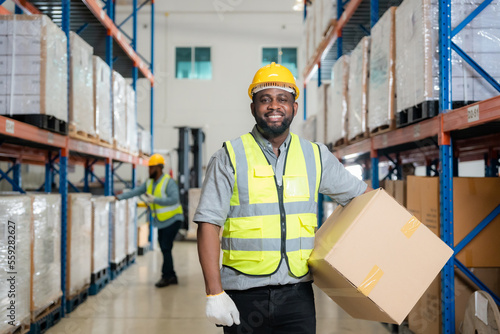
<point x="172" y="193"/>
<point x="336" y="181"/>
<point x="134" y="192"/>
<point x="216" y="191"/>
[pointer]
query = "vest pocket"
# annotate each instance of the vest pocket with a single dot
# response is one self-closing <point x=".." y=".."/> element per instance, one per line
<point x="296" y="186"/>
<point x="308" y="224"/>
<point x="261" y="185"/>
<point x="245" y="239"/>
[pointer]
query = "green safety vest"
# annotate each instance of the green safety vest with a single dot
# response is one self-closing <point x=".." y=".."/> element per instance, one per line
<point x="268" y="223"/>
<point x="162" y="213"/>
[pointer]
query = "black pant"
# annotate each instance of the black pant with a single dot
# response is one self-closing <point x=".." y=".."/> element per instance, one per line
<point x="286" y="309"/>
<point x="166" y="238"/>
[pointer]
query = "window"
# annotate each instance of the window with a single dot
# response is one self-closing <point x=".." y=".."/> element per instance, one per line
<point x="284" y="56"/>
<point x="193" y="63"/>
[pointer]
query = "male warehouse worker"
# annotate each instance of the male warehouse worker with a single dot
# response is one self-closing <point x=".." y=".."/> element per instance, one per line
<point x="162" y="196"/>
<point x="262" y="188"/>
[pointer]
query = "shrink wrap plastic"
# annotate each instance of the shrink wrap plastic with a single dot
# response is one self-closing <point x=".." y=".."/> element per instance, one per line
<point x="382" y="97"/>
<point x="46" y="268"/>
<point x="15" y="234"/>
<point x="81" y="106"/>
<point x="131" y="226"/>
<point x="79" y="242"/>
<point x="119" y="230"/>
<point x="119" y="110"/>
<point x="321" y="114"/>
<point x="33" y="71"/>
<point x="309" y="128"/>
<point x="100" y="232"/>
<point x="337" y="111"/>
<point x="325" y="11"/>
<point x="358" y="89"/>
<point x="310" y="33"/>
<point x="417" y="51"/>
<point x="102" y="100"/>
<point x="131" y="121"/>
<point x="144" y="139"/>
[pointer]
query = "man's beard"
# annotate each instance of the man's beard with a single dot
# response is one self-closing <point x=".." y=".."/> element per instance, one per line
<point x="153" y="175"/>
<point x="274" y="130"/>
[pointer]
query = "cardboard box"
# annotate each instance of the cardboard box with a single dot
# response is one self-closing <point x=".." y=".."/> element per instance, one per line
<point x="143" y="235"/>
<point x="374" y="259"/>
<point x="474" y="199"/>
<point x="397" y="189"/>
<point x="425" y="317"/>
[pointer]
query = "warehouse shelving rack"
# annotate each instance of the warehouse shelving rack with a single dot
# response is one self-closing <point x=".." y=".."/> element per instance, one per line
<point x="22" y="143"/>
<point x="469" y="133"/>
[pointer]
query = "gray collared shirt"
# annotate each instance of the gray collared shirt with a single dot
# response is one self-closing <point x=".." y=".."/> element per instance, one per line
<point x="217" y="190"/>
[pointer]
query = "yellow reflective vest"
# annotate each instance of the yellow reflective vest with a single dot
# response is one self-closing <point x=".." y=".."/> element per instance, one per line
<point x="162" y="213"/>
<point x="268" y="223"/>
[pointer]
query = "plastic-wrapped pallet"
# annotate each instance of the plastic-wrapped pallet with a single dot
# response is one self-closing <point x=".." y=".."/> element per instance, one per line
<point x="357" y="108"/>
<point x="311" y="32"/>
<point x="131" y="225"/>
<point x="119" y="231"/>
<point x="119" y="111"/>
<point x="81" y="115"/>
<point x="321" y="114"/>
<point x="102" y="100"/>
<point x="46" y="267"/>
<point x="325" y="12"/>
<point x="15" y="233"/>
<point x="34" y="73"/>
<point x="309" y="128"/>
<point x="131" y="121"/>
<point x="337" y="109"/>
<point x="101" y="206"/>
<point x="79" y="235"/>
<point x="382" y="97"/>
<point x="144" y="139"/>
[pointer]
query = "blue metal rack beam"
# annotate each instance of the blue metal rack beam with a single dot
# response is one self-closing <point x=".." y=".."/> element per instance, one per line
<point x="472" y="234"/>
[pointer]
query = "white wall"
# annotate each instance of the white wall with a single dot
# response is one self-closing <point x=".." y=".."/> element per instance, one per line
<point x="236" y="34"/>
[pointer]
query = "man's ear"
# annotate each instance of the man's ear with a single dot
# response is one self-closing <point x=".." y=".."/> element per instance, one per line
<point x="252" y="108"/>
<point x="295" y="108"/>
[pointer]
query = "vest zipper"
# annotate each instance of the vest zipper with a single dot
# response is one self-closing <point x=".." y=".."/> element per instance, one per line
<point x="283" y="224"/>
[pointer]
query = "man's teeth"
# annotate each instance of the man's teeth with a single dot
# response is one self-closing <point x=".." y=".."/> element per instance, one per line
<point x="275" y="117"/>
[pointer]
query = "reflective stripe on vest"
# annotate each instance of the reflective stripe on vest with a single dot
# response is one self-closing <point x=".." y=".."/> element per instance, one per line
<point x="265" y="222"/>
<point x="162" y="213"/>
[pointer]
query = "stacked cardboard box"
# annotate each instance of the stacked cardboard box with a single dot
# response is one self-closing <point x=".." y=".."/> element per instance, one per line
<point x="131" y="225"/>
<point x="81" y="107"/>
<point x="481" y="194"/>
<point x="119" y="231"/>
<point x="33" y="71"/>
<point x="100" y="233"/>
<point x="102" y="101"/>
<point x="337" y="109"/>
<point x="119" y="111"/>
<point x="46" y="248"/>
<point x="131" y="121"/>
<point x="373" y="264"/>
<point x="382" y="86"/>
<point x="16" y="232"/>
<point x="357" y="108"/>
<point x="397" y="189"/>
<point x="79" y="243"/>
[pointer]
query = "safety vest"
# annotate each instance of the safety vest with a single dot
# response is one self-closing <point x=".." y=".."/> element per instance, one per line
<point x="162" y="213"/>
<point x="268" y="223"/>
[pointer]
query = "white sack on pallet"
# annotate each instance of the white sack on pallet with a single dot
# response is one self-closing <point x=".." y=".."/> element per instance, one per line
<point x="34" y="75"/>
<point x="357" y="90"/>
<point x="81" y="107"/>
<point x="119" y="230"/>
<point x="131" y="121"/>
<point x="15" y="233"/>
<point x="100" y="232"/>
<point x="46" y="274"/>
<point x="144" y="139"/>
<point x="79" y="242"/>
<point x="131" y="225"/>
<point x="102" y="100"/>
<point x="337" y="110"/>
<point x="119" y="110"/>
<point x="382" y="97"/>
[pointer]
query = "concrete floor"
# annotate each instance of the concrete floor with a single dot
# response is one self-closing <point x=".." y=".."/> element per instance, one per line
<point x="131" y="303"/>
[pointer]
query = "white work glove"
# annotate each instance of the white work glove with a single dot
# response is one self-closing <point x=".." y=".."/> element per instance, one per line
<point x="148" y="198"/>
<point x="221" y="310"/>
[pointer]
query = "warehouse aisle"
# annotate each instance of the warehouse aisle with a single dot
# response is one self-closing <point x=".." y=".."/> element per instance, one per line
<point x="131" y="304"/>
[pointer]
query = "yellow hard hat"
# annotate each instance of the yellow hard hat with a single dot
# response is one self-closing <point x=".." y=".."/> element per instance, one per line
<point x="272" y="76"/>
<point x="156" y="159"/>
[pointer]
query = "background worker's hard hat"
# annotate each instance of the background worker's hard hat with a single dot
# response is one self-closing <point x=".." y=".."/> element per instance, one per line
<point x="156" y="159"/>
<point x="273" y="76"/>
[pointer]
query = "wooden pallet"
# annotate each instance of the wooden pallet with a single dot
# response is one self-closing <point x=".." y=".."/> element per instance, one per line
<point x="73" y="301"/>
<point x="81" y="135"/>
<point x="331" y="25"/>
<point x="42" y="121"/>
<point x="340" y="143"/>
<point x="359" y="137"/>
<point x="102" y="142"/>
<point x="22" y="328"/>
<point x="424" y="110"/>
<point x="384" y="128"/>
<point x="41" y="313"/>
